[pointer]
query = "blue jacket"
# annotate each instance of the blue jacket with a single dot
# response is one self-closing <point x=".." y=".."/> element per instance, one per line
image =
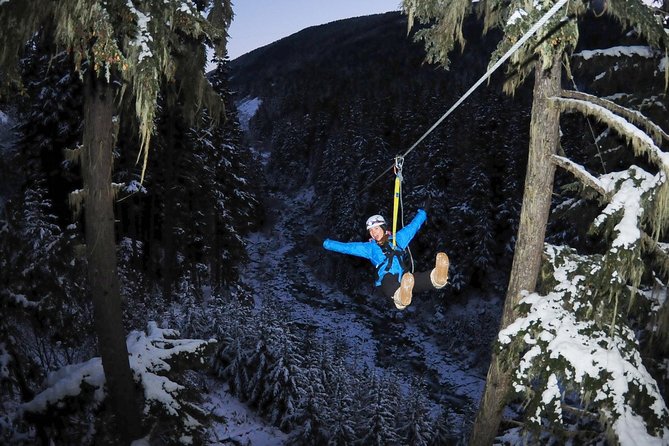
<point x="371" y="251"/>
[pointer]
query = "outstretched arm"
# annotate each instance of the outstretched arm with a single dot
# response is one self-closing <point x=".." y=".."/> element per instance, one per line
<point x="407" y="233"/>
<point x="360" y="249"/>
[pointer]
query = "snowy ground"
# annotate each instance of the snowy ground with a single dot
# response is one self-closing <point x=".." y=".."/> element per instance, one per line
<point x="277" y="270"/>
<point x="236" y="424"/>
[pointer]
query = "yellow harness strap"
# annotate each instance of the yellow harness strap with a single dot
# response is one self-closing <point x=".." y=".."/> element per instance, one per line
<point x="399" y="161"/>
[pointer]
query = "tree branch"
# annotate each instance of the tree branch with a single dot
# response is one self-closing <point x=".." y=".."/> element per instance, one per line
<point x="580" y="173"/>
<point x="641" y="142"/>
<point x="652" y="246"/>
<point x="632" y="116"/>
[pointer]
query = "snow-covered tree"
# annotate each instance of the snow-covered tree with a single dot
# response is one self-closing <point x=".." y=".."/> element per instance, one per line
<point x="378" y="424"/>
<point x="341" y="420"/>
<point x="416" y="423"/>
<point x="283" y="392"/>
<point x="138" y="43"/>
<point x="543" y="55"/>
<point x="199" y="225"/>
<point x="157" y="357"/>
<point x="314" y="409"/>
<point x="582" y="327"/>
<point x="442" y="431"/>
<point x="46" y="317"/>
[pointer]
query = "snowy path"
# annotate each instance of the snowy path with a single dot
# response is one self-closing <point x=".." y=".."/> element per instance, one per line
<point x="276" y="270"/>
<point x="236" y="423"/>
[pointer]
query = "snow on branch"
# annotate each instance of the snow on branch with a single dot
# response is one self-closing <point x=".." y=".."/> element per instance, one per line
<point x="641" y="142"/>
<point x="67" y="382"/>
<point x="152" y="355"/>
<point x="628" y="190"/>
<point x="633" y="116"/>
<point x="19" y="299"/>
<point x="618" y="51"/>
<point x="625" y="193"/>
<point x="658" y="250"/>
<point x="149" y="356"/>
<point x="579" y="172"/>
<point x="563" y="352"/>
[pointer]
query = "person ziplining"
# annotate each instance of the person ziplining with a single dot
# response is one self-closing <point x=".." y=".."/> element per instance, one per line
<point x="392" y="279"/>
<point x="387" y="252"/>
<point x="387" y="258"/>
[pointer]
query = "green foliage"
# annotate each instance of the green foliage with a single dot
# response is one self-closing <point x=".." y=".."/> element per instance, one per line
<point x="444" y="23"/>
<point x="578" y="343"/>
<point x="140" y="42"/>
<point x="43" y="298"/>
<point x="579" y="357"/>
<point x="446" y="30"/>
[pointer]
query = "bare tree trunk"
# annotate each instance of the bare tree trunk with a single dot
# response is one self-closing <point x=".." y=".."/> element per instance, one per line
<point x="544" y="140"/>
<point x="170" y="159"/>
<point x="96" y="167"/>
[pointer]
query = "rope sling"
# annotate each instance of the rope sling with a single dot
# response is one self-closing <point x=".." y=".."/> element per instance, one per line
<point x="398" y="205"/>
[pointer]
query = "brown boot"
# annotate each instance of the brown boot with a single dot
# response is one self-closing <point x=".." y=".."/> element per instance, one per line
<point x="439" y="274"/>
<point x="402" y="296"/>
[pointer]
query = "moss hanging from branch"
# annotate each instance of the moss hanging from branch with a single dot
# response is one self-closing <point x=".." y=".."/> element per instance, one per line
<point x="633" y="116"/>
<point x="640" y="141"/>
<point x="137" y="41"/>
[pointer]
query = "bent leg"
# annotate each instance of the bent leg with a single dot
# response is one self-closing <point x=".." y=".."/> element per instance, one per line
<point x="399" y="292"/>
<point x="436" y="278"/>
<point x="389" y="284"/>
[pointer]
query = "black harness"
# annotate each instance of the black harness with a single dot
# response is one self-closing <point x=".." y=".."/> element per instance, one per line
<point x="391" y="254"/>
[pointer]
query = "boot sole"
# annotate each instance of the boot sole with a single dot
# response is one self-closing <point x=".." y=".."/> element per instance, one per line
<point x="441" y="268"/>
<point x="406" y="289"/>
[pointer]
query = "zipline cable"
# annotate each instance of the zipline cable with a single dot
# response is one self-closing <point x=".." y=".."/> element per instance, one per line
<point x="541" y="22"/>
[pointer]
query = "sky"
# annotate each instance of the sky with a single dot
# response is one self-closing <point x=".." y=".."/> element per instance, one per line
<point x="260" y="22"/>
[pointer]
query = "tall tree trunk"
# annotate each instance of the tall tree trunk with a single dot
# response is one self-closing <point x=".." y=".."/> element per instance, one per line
<point x="170" y="159"/>
<point x="544" y="140"/>
<point x="96" y="166"/>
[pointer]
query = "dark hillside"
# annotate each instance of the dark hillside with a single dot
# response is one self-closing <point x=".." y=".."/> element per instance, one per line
<point x="340" y="100"/>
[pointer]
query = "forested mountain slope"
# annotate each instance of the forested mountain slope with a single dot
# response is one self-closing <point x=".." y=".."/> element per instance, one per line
<point x="223" y="239"/>
<point x="333" y="115"/>
<point x="339" y="101"/>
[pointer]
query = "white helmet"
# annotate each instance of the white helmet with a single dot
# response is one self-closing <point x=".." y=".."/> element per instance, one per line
<point x="374" y="221"/>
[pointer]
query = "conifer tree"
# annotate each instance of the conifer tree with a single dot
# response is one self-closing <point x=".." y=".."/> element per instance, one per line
<point x="312" y="430"/>
<point x="314" y="408"/>
<point x="442" y="430"/>
<point x="341" y="420"/>
<point x="416" y="424"/>
<point x="542" y="55"/>
<point x="597" y="300"/>
<point x="284" y="388"/>
<point x="136" y="42"/>
<point x="378" y="426"/>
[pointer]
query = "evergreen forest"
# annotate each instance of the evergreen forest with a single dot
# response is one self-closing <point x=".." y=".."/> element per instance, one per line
<point x="163" y="210"/>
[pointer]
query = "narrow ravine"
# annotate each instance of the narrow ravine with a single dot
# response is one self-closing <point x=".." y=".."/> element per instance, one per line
<point x="277" y="270"/>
